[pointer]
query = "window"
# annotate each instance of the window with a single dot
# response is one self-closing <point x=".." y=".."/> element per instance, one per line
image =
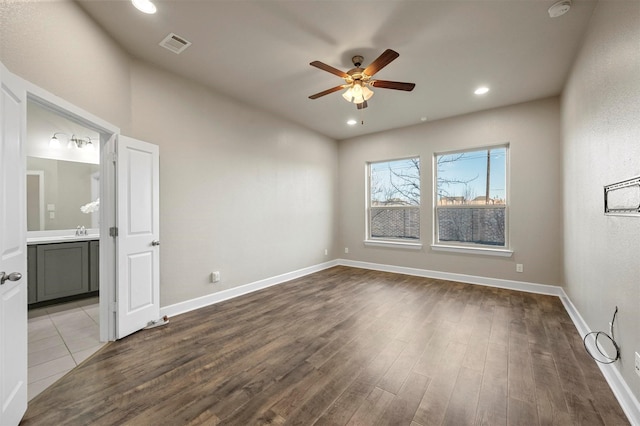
<point x="394" y="200"/>
<point x="471" y="198"/>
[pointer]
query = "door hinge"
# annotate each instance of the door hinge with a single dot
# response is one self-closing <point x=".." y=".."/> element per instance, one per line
<point x="113" y="307"/>
<point x="113" y="231"/>
<point x="113" y="157"/>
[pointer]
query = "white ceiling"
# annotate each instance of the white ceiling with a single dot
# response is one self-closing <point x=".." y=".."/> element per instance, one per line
<point x="258" y="51"/>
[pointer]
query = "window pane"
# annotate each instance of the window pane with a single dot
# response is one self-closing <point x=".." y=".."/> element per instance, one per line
<point x="462" y="177"/>
<point x="471" y="197"/>
<point x="472" y="225"/>
<point x="394" y="203"/>
<point x="395" y="183"/>
<point x="395" y="223"/>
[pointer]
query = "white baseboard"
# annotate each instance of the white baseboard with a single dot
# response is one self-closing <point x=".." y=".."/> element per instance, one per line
<point x="210" y="299"/>
<point x="627" y="400"/>
<point x="629" y="403"/>
<point x="468" y="279"/>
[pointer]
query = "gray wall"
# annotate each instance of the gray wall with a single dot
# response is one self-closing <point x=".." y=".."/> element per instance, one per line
<point x="242" y="191"/>
<point x="535" y="217"/>
<point x="601" y="128"/>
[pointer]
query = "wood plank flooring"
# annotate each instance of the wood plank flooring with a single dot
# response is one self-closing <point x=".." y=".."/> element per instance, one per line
<point x="345" y="346"/>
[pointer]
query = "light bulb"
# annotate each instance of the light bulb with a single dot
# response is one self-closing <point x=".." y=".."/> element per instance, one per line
<point x="145" y="6"/>
<point x="358" y="97"/>
<point x="367" y="93"/>
<point x="348" y="94"/>
<point x="54" y="142"/>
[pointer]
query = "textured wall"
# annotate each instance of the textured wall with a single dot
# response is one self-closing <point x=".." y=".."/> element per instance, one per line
<point x="601" y="132"/>
<point x="535" y="217"/>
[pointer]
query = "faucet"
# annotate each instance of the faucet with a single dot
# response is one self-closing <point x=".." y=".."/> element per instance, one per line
<point x="83" y="231"/>
<point x="78" y="231"/>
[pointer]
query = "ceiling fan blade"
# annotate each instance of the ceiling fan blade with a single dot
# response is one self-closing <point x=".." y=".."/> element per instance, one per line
<point x="329" y="68"/>
<point x="362" y="105"/>
<point x="326" y="92"/>
<point x="381" y="62"/>
<point x="384" y="84"/>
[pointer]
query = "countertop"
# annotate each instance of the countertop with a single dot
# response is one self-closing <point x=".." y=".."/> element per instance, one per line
<point x="59" y="237"/>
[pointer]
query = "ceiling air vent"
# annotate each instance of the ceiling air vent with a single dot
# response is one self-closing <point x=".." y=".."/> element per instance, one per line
<point x="175" y="43"/>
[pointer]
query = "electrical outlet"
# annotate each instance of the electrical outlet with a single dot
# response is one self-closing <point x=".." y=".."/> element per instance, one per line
<point x="346" y="249"/>
<point x="215" y="277"/>
<point x="637" y="363"/>
<point x="519" y="267"/>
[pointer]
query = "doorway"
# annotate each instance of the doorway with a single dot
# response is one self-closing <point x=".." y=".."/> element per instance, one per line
<point x="65" y="331"/>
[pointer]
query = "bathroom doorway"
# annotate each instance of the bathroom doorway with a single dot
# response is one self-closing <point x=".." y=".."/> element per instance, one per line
<point x="63" y="195"/>
<point x="67" y="319"/>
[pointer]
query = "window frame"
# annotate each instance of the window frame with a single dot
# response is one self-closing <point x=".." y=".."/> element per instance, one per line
<point x="473" y="248"/>
<point x="407" y="243"/>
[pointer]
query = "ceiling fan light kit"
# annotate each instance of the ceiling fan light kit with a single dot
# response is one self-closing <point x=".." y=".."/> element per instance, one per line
<point x="357" y="80"/>
<point x="358" y="93"/>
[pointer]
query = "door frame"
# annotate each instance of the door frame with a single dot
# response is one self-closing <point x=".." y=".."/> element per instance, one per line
<point x="108" y="135"/>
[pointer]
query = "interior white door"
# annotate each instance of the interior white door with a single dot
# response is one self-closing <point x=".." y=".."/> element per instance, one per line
<point x="138" y="251"/>
<point x="13" y="251"/>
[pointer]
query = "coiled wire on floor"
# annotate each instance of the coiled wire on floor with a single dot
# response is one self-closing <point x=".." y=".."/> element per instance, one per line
<point x="603" y="357"/>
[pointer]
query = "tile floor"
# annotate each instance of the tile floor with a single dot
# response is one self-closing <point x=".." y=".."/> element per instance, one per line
<point x="60" y="337"/>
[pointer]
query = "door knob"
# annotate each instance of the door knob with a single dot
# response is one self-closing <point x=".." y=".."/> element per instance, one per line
<point x="14" y="276"/>
<point x="155" y="243"/>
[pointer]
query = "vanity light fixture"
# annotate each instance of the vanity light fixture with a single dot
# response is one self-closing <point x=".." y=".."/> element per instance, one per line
<point x="74" y="142"/>
<point x="145" y="6"/>
<point x="54" y="142"/>
<point x="81" y="143"/>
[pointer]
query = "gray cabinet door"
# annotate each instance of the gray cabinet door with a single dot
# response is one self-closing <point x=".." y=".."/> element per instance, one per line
<point x="63" y="270"/>
<point x="94" y="265"/>
<point x="32" y="273"/>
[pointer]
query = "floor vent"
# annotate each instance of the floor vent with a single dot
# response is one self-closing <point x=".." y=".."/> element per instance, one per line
<point x="175" y="43"/>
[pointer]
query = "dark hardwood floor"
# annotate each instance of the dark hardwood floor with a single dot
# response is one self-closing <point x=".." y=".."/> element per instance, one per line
<point x="345" y="346"/>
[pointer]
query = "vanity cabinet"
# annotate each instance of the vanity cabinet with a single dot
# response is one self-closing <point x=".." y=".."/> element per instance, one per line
<point x="62" y="269"/>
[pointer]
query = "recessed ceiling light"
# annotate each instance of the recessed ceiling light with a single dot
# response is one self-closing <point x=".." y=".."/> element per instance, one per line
<point x="145" y="6"/>
<point x="481" y="90"/>
<point x="352" y="122"/>
<point x="423" y="118"/>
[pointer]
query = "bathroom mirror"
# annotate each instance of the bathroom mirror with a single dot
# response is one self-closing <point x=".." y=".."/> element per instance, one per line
<point x="56" y="191"/>
<point x="61" y="177"/>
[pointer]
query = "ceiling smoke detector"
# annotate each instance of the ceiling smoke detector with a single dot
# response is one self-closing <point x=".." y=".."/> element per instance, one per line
<point x="560" y="8"/>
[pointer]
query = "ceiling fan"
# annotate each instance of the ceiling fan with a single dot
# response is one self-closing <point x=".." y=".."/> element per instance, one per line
<point x="357" y="79"/>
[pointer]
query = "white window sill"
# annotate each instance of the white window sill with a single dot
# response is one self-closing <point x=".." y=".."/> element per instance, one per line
<point x="473" y="250"/>
<point x="393" y="244"/>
